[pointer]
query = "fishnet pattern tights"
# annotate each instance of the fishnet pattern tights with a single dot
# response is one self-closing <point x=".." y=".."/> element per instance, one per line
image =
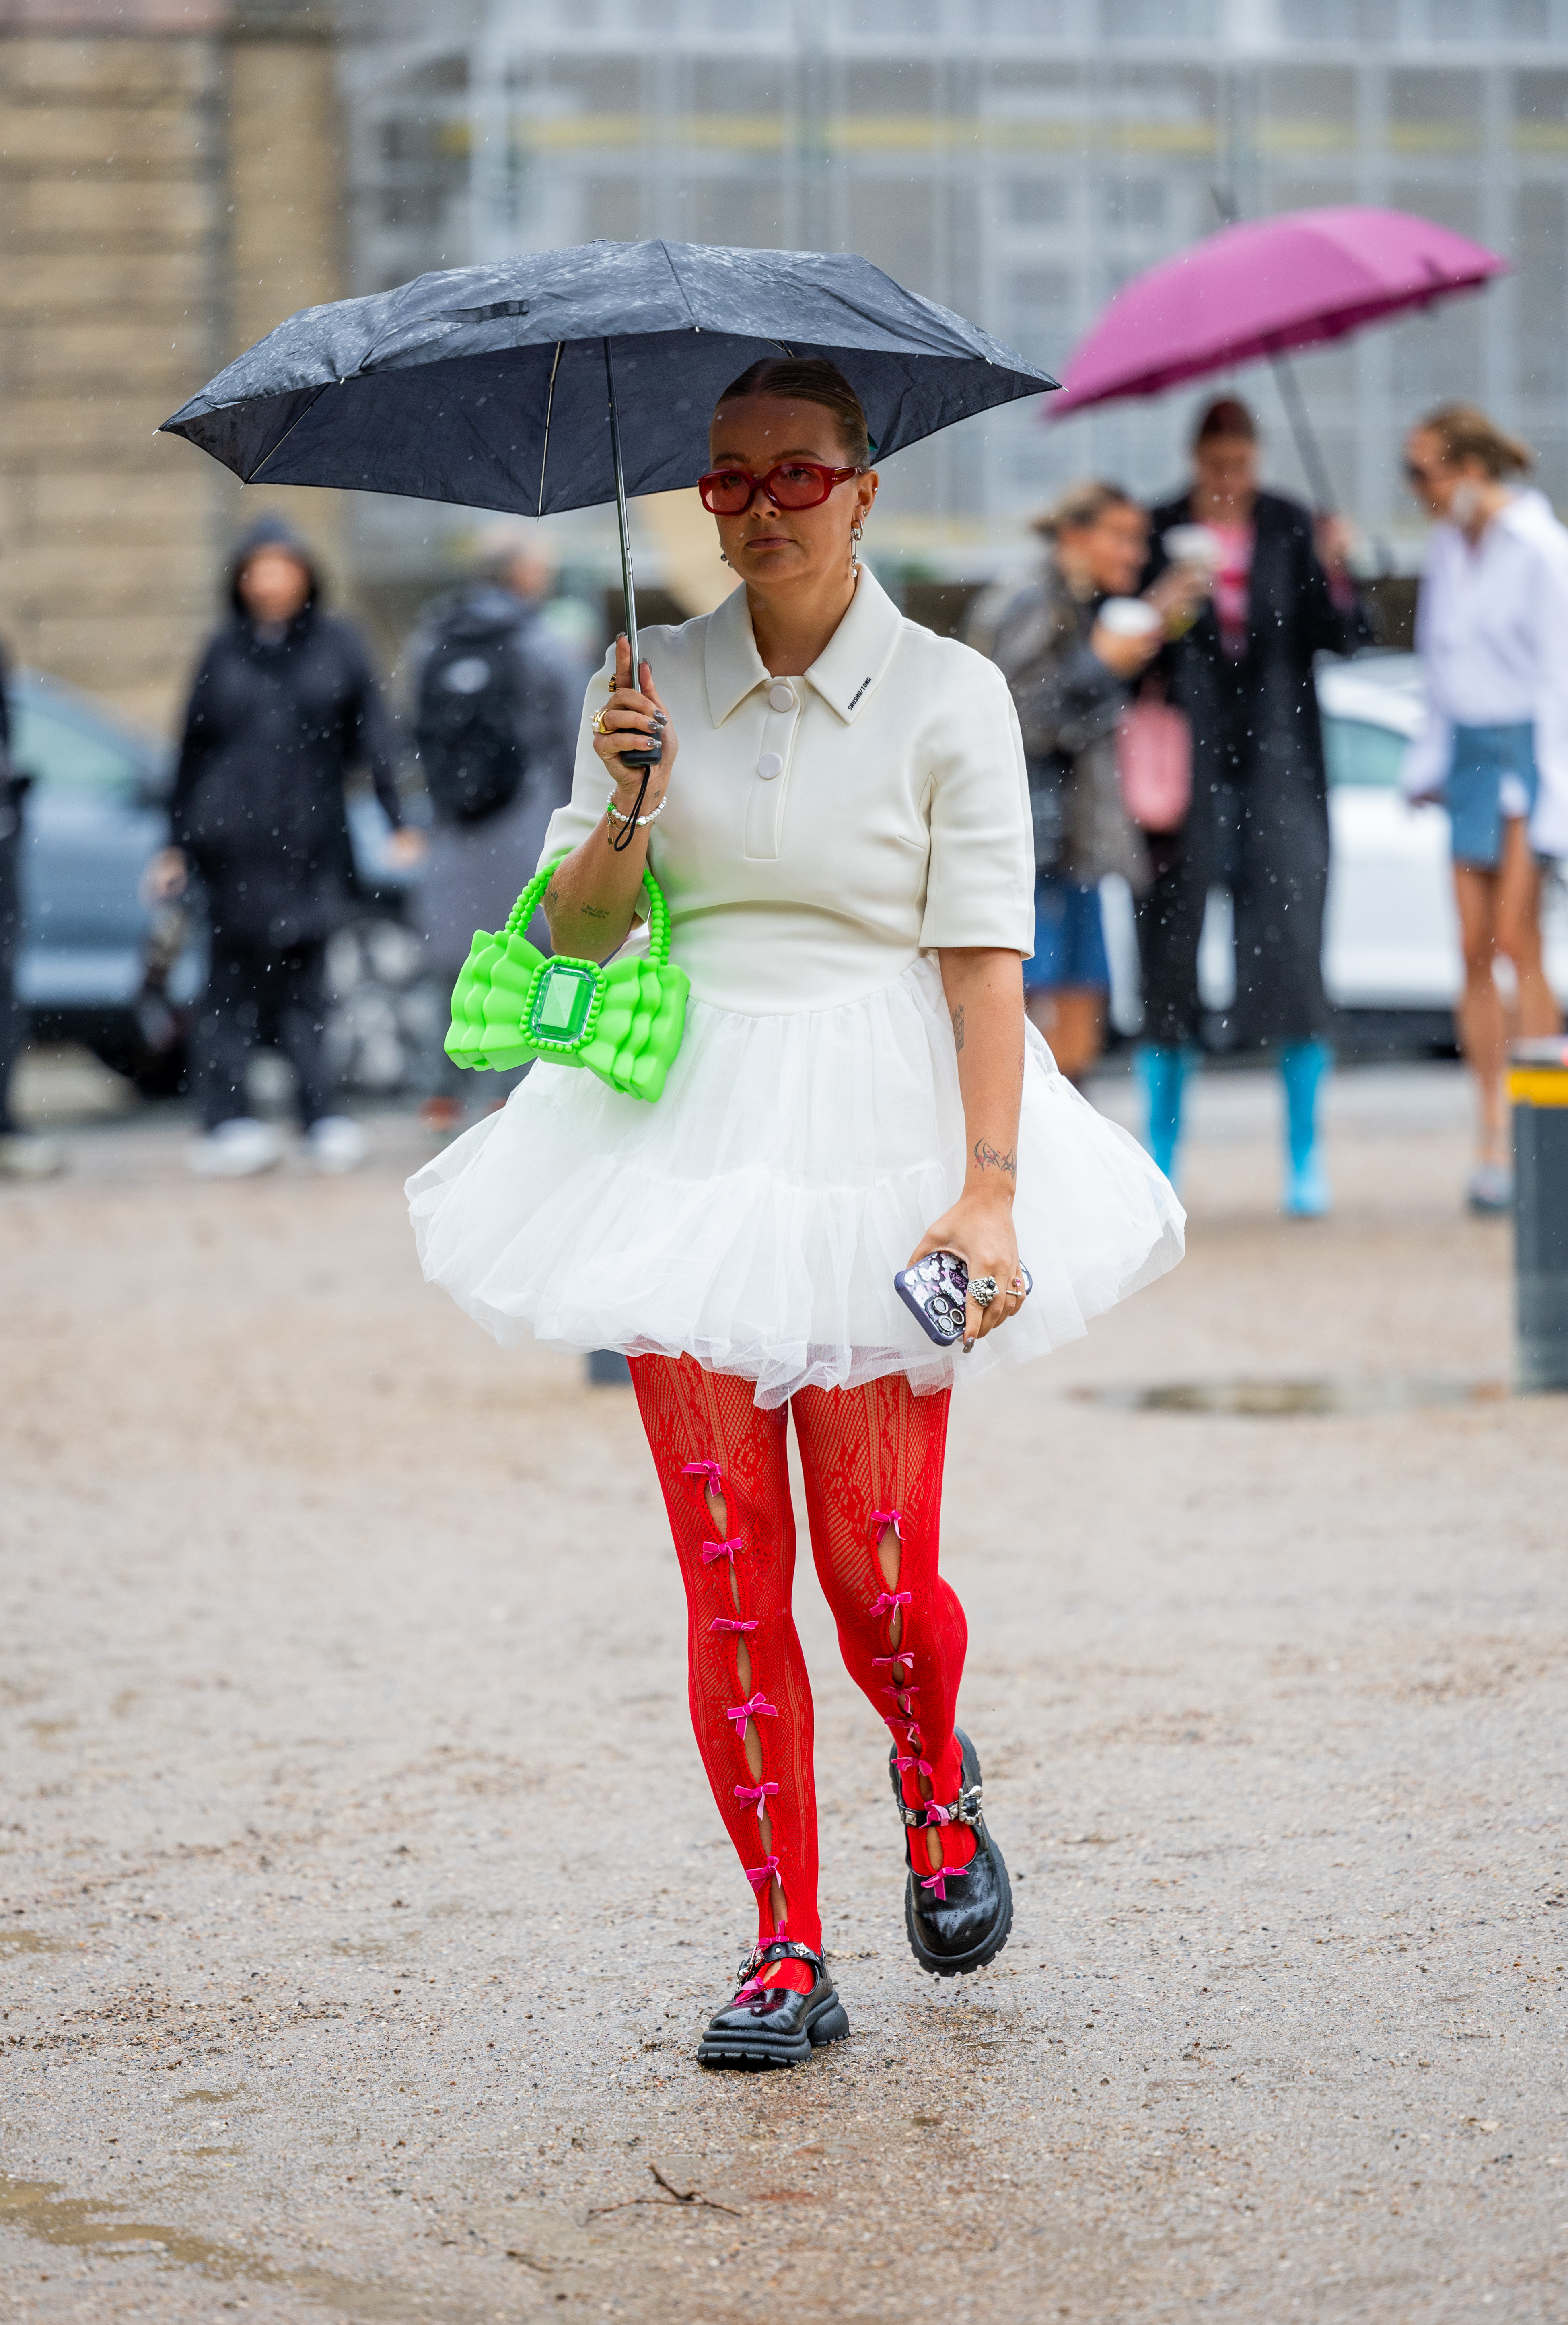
<point x="872" y="1461"/>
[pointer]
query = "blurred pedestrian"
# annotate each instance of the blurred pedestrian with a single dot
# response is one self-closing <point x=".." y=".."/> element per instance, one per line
<point x="1070" y="646"/>
<point x="495" y="697"/>
<point x="284" y="708"/>
<point x="1279" y="593"/>
<point x="21" y="1156"/>
<point x="1491" y="629"/>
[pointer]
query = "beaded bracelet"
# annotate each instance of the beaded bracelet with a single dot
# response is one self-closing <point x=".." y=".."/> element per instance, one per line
<point x="619" y="815"/>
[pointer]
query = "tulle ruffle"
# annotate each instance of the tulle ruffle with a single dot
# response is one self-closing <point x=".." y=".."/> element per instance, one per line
<point x="756" y="1216"/>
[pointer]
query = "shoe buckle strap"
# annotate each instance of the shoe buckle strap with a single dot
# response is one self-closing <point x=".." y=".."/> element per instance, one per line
<point x="780" y="1949"/>
<point x="965" y="1809"/>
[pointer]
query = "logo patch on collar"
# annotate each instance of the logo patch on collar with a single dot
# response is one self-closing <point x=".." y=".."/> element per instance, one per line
<point x="859" y="689"/>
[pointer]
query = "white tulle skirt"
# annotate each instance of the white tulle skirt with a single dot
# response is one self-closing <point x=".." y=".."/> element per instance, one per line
<point x="756" y="1216"/>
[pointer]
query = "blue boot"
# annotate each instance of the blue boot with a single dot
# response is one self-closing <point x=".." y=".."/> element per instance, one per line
<point x="1162" y="1068"/>
<point x="1302" y="1067"/>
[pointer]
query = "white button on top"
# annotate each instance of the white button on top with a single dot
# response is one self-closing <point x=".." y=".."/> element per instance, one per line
<point x="769" y="765"/>
<point x="781" y="697"/>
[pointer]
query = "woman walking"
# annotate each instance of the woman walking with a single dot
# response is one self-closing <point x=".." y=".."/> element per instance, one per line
<point x="285" y="705"/>
<point x="840" y="822"/>
<point x="1258" y="822"/>
<point x="1491" y="629"/>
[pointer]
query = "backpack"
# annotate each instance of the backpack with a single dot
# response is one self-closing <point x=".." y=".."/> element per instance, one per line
<point x="468" y="716"/>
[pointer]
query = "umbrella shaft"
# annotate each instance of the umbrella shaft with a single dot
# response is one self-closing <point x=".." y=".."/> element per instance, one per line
<point x="627" y="584"/>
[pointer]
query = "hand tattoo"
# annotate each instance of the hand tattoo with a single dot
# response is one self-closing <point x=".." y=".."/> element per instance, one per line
<point x="958" y="1027"/>
<point x="990" y="1159"/>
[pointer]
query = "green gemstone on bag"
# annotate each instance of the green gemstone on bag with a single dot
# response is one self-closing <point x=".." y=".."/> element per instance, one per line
<point x="562" y="1000"/>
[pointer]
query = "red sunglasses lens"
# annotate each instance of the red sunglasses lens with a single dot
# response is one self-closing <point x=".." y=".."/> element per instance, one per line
<point x="726" y="492"/>
<point x="797" y="487"/>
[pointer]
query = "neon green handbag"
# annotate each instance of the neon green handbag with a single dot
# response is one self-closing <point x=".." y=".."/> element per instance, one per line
<point x="624" y="1023"/>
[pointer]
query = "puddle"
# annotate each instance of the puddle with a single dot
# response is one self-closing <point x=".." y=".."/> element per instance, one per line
<point x="79" y="2223"/>
<point x="27" y="1941"/>
<point x="39" y="2209"/>
<point x="1270" y="1400"/>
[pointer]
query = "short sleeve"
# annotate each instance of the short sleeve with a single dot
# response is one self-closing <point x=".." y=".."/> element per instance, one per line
<point x="980" y="886"/>
<point x="570" y="825"/>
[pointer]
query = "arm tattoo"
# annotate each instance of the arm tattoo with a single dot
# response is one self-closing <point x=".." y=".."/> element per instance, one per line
<point x="591" y="912"/>
<point x="990" y="1159"/>
<point x="958" y="1026"/>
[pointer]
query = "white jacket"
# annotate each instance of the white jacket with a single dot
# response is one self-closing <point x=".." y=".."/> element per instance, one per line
<point x="1491" y="630"/>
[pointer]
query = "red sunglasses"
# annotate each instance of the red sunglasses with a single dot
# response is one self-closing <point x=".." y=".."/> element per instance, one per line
<point x="798" y="485"/>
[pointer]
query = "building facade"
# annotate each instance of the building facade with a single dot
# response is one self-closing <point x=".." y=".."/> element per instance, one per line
<point x="1015" y="159"/>
<point x="170" y="181"/>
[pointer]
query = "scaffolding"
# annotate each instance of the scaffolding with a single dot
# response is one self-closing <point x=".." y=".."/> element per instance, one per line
<point x="1016" y="160"/>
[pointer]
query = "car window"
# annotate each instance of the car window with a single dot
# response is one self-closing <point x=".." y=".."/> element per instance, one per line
<point x="57" y="748"/>
<point x="1360" y="754"/>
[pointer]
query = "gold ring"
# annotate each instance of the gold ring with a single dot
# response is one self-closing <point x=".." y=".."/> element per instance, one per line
<point x="598" y="724"/>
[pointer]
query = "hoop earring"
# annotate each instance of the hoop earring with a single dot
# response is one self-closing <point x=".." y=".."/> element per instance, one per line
<point x="855" y="531"/>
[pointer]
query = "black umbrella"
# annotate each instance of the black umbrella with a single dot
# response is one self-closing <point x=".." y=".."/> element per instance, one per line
<point x="579" y="375"/>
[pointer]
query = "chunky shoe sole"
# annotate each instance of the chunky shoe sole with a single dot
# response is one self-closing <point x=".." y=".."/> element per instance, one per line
<point x="757" y="2052"/>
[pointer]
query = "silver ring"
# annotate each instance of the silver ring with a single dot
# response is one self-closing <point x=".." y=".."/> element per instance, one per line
<point x="982" y="1289"/>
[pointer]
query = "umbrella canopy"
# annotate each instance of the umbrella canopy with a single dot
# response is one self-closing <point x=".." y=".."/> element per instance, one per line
<point x="486" y="386"/>
<point x="1263" y="290"/>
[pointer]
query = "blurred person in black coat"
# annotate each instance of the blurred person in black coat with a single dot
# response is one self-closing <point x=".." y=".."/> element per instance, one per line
<point x="1280" y="594"/>
<point x="284" y="708"/>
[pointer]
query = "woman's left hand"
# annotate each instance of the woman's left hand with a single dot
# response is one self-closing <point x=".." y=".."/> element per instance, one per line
<point x="979" y="1228"/>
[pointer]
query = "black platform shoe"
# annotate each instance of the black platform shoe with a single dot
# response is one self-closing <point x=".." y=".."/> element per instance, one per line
<point x="958" y="1917"/>
<point x="772" y="2026"/>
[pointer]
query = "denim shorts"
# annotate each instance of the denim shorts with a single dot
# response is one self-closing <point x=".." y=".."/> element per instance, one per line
<point x="1069" y="937"/>
<point x="1482" y="756"/>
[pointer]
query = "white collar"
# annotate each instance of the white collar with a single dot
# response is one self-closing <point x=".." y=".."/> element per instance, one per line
<point x="844" y="673"/>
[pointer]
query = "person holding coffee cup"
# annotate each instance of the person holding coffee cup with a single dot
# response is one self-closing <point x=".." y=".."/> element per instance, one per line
<point x="1070" y="645"/>
<point x="1275" y="591"/>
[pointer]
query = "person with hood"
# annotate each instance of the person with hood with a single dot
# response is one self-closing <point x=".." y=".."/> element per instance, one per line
<point x="284" y="708"/>
<point x="1279" y="593"/>
<point x="494" y="697"/>
<point x="1490" y="629"/>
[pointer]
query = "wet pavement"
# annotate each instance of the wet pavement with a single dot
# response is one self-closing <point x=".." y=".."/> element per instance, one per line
<point x="360" y="1896"/>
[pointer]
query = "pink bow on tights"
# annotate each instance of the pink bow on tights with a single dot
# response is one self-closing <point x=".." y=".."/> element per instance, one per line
<point x="886" y="1601"/>
<point x="758" y="1707"/>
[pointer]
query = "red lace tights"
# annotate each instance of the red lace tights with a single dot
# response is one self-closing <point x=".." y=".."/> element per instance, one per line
<point x="872" y="1461"/>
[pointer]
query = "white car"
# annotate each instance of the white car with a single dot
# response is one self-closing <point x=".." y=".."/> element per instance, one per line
<point x="1392" y="956"/>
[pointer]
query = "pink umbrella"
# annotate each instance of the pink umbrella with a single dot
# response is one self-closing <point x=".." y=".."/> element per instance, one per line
<point x="1261" y="289"/>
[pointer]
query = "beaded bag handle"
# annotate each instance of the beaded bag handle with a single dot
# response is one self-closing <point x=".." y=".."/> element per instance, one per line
<point x="528" y="905"/>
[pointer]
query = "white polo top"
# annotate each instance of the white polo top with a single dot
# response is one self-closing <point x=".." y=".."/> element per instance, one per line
<point x="821" y="832"/>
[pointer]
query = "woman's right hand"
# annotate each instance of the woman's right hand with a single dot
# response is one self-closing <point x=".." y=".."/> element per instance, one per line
<point x="1125" y="655"/>
<point x="1178" y="595"/>
<point x="632" y="717"/>
<point x="167" y="876"/>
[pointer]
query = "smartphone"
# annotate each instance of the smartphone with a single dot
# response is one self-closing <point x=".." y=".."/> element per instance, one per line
<point x="935" y="1291"/>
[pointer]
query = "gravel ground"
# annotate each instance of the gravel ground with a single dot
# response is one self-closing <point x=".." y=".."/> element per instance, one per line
<point x="362" y="1897"/>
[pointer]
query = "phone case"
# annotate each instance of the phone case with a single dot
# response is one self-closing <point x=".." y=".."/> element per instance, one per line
<point x="935" y="1291"/>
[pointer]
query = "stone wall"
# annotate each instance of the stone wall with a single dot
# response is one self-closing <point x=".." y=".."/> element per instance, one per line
<point x="170" y="189"/>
